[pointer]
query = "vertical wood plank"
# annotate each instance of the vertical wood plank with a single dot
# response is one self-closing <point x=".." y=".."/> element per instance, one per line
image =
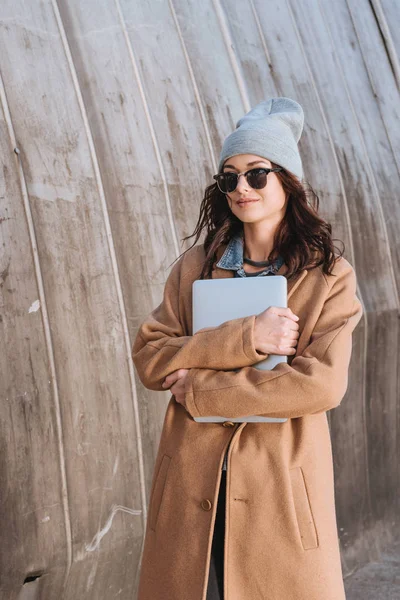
<point x="35" y="519"/>
<point x="83" y="306"/>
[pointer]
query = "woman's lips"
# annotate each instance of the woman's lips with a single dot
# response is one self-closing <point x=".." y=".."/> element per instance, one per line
<point x="246" y="202"/>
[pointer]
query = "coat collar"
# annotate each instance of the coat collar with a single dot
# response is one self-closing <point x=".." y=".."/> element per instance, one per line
<point x="230" y="258"/>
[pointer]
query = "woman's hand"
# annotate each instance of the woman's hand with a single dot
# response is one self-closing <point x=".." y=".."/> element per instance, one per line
<point x="276" y="331"/>
<point x="175" y="381"/>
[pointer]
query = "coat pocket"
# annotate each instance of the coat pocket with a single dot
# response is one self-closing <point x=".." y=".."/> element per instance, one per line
<point x="157" y="495"/>
<point x="305" y="520"/>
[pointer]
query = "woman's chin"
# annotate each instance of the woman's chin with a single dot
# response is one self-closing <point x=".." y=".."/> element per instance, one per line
<point x="248" y="218"/>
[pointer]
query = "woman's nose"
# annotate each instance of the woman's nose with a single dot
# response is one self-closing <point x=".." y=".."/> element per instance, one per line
<point x="242" y="184"/>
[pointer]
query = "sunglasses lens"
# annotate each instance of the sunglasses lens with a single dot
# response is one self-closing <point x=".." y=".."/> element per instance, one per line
<point x="227" y="182"/>
<point x="257" y="178"/>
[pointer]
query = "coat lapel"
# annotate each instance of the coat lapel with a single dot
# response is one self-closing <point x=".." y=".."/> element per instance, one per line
<point x="294" y="283"/>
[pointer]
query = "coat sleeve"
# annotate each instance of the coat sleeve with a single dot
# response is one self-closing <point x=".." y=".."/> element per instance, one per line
<point x="161" y="346"/>
<point x="315" y="382"/>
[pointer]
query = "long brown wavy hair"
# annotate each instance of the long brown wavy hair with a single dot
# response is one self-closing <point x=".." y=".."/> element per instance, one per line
<point x="303" y="238"/>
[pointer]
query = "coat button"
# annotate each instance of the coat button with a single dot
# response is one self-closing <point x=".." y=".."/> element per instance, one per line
<point x="228" y="424"/>
<point x="206" y="504"/>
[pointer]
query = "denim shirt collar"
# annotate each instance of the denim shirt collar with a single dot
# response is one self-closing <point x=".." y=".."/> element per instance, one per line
<point x="232" y="258"/>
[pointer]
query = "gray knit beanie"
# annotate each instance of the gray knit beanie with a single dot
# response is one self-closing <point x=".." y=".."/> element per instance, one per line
<point x="271" y="130"/>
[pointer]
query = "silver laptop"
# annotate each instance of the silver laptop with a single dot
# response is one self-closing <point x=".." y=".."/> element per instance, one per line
<point x="218" y="300"/>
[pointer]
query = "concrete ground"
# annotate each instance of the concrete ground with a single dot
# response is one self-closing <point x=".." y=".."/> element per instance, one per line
<point x="376" y="580"/>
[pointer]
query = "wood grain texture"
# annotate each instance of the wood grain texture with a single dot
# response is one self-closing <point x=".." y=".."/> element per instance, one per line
<point x="119" y="110"/>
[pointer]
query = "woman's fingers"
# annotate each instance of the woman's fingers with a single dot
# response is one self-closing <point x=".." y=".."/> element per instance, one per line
<point x="284" y="350"/>
<point x="170" y="379"/>
<point x="284" y="312"/>
<point x="289" y="324"/>
<point x="173" y="377"/>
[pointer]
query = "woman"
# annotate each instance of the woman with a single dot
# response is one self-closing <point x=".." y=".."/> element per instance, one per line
<point x="274" y="522"/>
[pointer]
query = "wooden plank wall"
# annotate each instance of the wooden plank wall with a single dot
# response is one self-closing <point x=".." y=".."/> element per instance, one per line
<point x="112" y="115"/>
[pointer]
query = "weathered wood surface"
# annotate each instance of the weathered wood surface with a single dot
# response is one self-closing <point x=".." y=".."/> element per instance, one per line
<point x="119" y="110"/>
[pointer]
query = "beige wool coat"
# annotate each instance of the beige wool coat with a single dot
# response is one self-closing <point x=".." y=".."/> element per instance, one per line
<point x="281" y="540"/>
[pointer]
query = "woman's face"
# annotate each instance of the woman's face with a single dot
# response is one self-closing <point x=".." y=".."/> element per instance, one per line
<point x="268" y="203"/>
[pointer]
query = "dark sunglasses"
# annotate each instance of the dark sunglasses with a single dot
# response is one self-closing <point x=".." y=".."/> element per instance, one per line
<point x="256" y="178"/>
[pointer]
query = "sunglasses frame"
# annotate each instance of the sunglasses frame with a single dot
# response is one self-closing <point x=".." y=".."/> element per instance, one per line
<point x="245" y="173"/>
